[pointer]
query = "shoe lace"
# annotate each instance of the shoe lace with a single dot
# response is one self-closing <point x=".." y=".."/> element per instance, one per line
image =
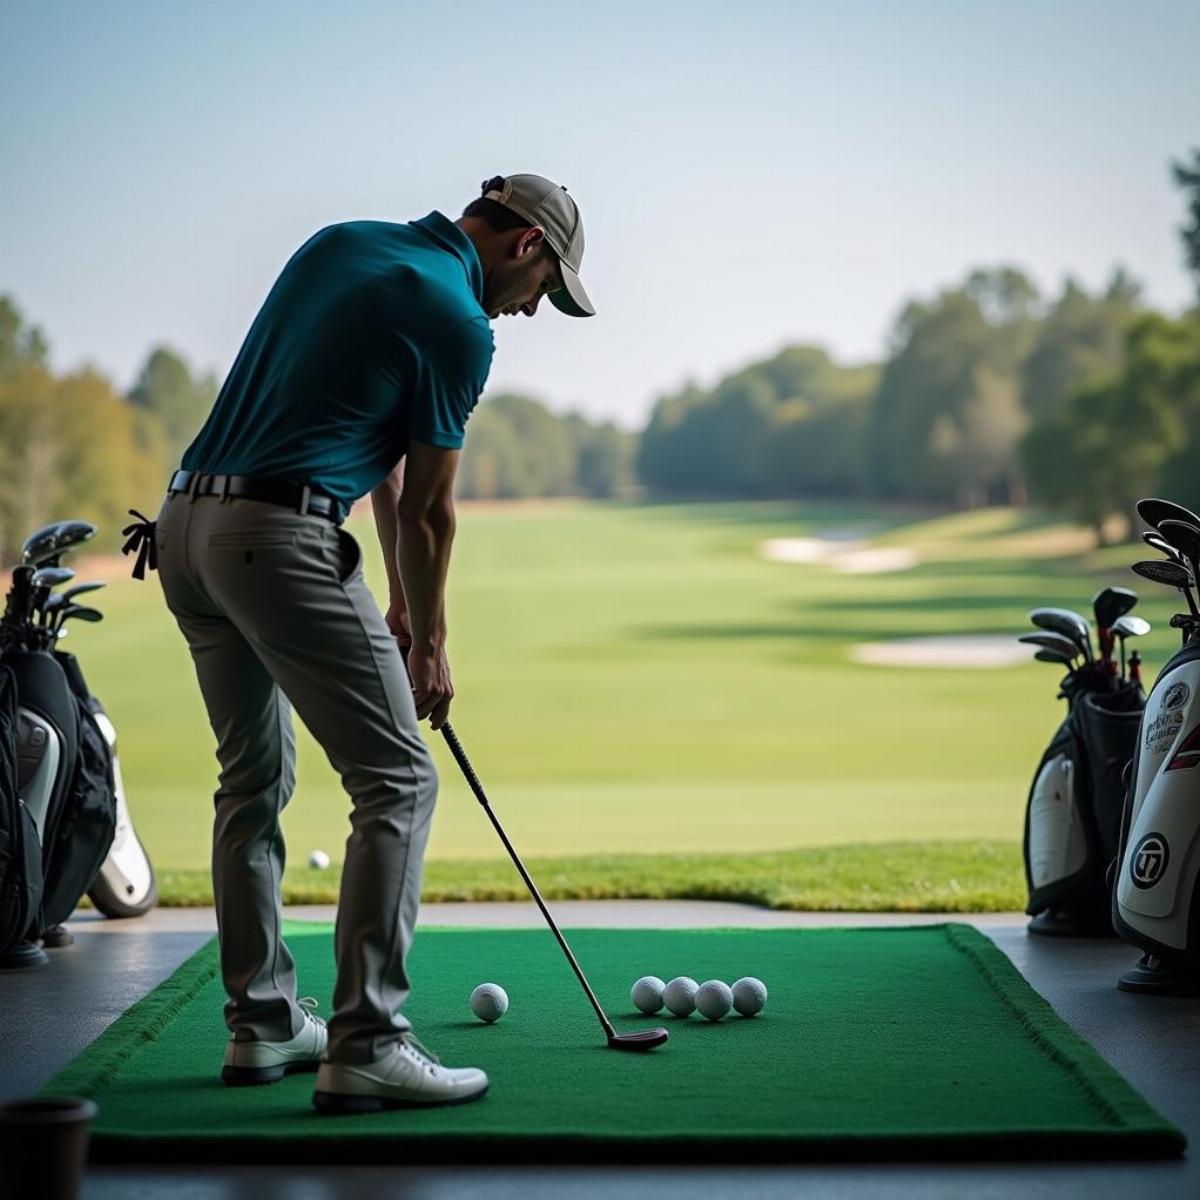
<point x="309" y="1005"/>
<point x="410" y="1039"/>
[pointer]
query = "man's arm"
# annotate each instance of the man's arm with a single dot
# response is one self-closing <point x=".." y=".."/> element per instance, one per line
<point x="385" y="500"/>
<point x="425" y="523"/>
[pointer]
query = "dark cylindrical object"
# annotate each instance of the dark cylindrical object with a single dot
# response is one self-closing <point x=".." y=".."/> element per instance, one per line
<point x="43" y="1147"/>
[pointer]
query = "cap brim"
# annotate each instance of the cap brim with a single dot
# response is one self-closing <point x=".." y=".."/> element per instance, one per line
<point x="571" y="298"/>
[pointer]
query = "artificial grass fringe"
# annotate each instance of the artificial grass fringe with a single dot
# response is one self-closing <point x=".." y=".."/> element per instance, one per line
<point x="138" y="1027"/>
<point x="1057" y="1040"/>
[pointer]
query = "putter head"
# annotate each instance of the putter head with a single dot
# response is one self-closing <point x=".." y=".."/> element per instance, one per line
<point x="1112" y="602"/>
<point x="48" y="543"/>
<point x="1155" y="512"/>
<point x="646" y="1039"/>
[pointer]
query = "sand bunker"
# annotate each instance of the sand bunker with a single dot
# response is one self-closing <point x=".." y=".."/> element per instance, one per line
<point x="842" y="549"/>
<point x="970" y="651"/>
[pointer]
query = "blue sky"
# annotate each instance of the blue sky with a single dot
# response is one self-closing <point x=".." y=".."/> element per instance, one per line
<point x="750" y="174"/>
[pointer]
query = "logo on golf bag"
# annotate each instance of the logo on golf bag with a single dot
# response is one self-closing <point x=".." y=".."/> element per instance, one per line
<point x="1188" y="754"/>
<point x="1177" y="696"/>
<point x="1149" y="860"/>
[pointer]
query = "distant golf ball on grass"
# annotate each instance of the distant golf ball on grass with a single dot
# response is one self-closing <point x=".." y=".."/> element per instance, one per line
<point x="647" y="994"/>
<point x="489" y="1002"/>
<point x="680" y="996"/>
<point x="749" y="996"/>
<point x="319" y="860"/>
<point x="714" y="999"/>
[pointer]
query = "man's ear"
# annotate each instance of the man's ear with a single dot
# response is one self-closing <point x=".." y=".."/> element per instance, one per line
<point x="530" y="241"/>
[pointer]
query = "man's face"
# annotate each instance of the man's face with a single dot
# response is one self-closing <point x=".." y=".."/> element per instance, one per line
<point x="527" y="274"/>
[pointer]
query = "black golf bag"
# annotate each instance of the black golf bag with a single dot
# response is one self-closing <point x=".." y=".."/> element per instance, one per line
<point x="88" y="820"/>
<point x="20" y="847"/>
<point x="1156" y="897"/>
<point x="1073" y="815"/>
<point x="64" y="776"/>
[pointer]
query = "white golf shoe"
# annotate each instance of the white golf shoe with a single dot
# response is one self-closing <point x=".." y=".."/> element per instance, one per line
<point x="408" y="1076"/>
<point x="249" y="1063"/>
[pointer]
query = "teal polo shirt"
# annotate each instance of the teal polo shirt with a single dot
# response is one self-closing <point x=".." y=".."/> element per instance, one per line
<point x="373" y="336"/>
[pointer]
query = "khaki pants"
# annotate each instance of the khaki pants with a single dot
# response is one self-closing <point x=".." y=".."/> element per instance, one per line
<point x="277" y="616"/>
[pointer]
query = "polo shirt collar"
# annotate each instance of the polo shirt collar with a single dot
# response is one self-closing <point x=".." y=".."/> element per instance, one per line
<point x="439" y="228"/>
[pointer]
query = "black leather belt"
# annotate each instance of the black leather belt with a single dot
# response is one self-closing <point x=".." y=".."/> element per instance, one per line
<point x="300" y="496"/>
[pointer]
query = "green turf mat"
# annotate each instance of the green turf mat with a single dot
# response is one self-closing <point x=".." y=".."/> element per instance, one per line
<point x="919" y="1043"/>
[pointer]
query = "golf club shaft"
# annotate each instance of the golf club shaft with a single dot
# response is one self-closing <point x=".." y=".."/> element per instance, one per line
<point x="464" y="763"/>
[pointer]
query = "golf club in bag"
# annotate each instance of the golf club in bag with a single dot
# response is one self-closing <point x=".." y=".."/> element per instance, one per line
<point x="67" y="781"/>
<point x="1156" y="896"/>
<point x="1073" y="812"/>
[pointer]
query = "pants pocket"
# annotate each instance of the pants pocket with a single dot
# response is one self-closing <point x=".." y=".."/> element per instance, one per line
<point x="348" y="559"/>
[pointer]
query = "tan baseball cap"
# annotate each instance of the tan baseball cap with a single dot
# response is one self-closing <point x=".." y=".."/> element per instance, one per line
<point x="548" y="206"/>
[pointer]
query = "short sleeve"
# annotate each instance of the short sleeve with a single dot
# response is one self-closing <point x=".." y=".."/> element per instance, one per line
<point x="453" y="369"/>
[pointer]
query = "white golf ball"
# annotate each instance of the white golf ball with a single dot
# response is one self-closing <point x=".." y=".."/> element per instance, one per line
<point x="749" y="996"/>
<point x="489" y="1002"/>
<point x="647" y="994"/>
<point x="714" y="999"/>
<point x="318" y="859"/>
<point x="680" y="996"/>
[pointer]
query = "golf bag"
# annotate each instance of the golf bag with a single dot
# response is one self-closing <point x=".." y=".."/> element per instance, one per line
<point x="1156" y="900"/>
<point x="1073" y="815"/>
<point x="20" y="848"/>
<point x="64" y="775"/>
<point x="86" y="826"/>
<point x="124" y="885"/>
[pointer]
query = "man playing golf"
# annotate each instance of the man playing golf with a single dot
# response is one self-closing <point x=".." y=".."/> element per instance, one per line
<point x="358" y="375"/>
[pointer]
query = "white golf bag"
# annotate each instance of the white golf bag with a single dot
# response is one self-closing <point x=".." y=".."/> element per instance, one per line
<point x="1156" y="900"/>
<point x="124" y="885"/>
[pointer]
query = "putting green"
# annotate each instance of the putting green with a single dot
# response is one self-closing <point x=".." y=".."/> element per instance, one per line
<point x="920" y="1042"/>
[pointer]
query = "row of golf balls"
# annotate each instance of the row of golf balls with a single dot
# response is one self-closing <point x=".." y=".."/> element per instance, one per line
<point x="683" y="996"/>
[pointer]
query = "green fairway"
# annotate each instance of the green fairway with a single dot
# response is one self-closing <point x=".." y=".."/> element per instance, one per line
<point x="925" y="1041"/>
<point x="641" y="679"/>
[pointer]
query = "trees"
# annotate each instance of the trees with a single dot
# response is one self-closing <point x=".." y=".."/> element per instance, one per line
<point x="1187" y="176"/>
<point x="181" y="402"/>
<point x="516" y="448"/>
<point x="1122" y="438"/>
<point x="786" y="426"/>
<point x="69" y="445"/>
<point x="948" y="414"/>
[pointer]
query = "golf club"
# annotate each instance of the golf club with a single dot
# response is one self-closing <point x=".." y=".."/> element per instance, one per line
<point x="78" y="612"/>
<point x="1153" y="538"/>
<point x="1066" y="623"/>
<point x="644" y="1040"/>
<point x="80" y="588"/>
<point x="1185" y="537"/>
<point x="1155" y="512"/>
<point x="1053" y="656"/>
<point x="1050" y="641"/>
<point x="43" y="581"/>
<point x="1173" y="574"/>
<point x="1127" y="627"/>
<point x="45" y="546"/>
<point x="1108" y="604"/>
